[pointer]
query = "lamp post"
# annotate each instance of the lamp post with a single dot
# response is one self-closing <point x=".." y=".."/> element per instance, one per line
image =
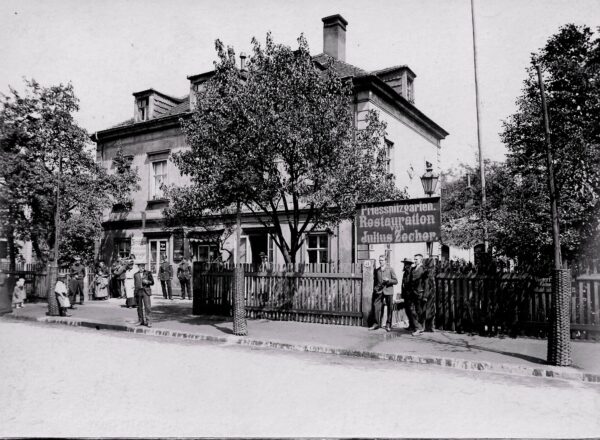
<point x="53" y="269"/>
<point x="429" y="180"/>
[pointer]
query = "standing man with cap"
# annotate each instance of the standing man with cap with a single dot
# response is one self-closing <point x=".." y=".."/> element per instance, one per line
<point x="383" y="293"/>
<point x="143" y="281"/>
<point x="165" y="275"/>
<point x="184" y="274"/>
<point x="77" y="274"/>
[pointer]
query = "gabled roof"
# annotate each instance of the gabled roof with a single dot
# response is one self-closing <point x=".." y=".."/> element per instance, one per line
<point x="322" y="60"/>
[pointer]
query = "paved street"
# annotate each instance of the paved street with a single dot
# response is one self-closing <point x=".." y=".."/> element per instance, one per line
<point x="78" y="382"/>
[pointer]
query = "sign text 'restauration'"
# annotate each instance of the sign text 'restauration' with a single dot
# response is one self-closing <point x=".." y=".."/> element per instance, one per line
<point x="403" y="221"/>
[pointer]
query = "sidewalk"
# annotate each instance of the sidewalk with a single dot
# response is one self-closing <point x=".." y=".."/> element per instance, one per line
<point x="523" y="356"/>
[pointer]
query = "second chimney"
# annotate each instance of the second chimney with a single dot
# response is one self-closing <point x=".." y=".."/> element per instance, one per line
<point x="334" y="36"/>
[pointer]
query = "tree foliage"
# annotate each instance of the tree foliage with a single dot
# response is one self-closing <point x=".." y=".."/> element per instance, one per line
<point x="518" y="213"/>
<point x="280" y="138"/>
<point x="40" y="141"/>
<point x="571" y="66"/>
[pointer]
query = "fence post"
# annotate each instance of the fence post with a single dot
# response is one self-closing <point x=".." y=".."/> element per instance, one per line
<point x="367" y="291"/>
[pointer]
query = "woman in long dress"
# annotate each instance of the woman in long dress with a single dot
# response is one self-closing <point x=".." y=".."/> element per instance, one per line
<point x="129" y="285"/>
<point x="101" y="282"/>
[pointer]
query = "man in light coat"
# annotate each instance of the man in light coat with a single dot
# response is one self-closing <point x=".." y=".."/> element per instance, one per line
<point x="383" y="293"/>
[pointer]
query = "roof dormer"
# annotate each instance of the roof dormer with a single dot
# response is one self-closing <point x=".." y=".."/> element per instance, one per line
<point x="150" y="104"/>
<point x="197" y="84"/>
<point x="401" y="79"/>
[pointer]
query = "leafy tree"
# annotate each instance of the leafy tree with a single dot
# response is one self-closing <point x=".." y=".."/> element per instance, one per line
<point x="571" y="66"/>
<point x="40" y="141"/>
<point x="280" y="139"/>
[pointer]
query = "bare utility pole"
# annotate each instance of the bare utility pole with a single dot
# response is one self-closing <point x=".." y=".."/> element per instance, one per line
<point x="479" y="147"/>
<point x="559" y="336"/>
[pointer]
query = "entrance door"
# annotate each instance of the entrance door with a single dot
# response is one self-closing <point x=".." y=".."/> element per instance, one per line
<point x="157" y="249"/>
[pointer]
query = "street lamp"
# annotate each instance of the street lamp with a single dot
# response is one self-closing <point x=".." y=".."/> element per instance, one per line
<point x="429" y="179"/>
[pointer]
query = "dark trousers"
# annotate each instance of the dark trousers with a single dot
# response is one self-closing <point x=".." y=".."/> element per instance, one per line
<point x="144" y="307"/>
<point x="185" y="287"/>
<point x="409" y="309"/>
<point x="379" y="300"/>
<point x="166" y="288"/>
<point x="76" y="288"/>
<point x="428" y="312"/>
<point x="414" y="313"/>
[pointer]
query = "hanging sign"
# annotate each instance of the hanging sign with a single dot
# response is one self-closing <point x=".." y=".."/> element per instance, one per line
<point x="402" y="221"/>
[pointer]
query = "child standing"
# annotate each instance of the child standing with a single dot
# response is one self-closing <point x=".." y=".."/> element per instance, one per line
<point x="19" y="294"/>
<point x="62" y="296"/>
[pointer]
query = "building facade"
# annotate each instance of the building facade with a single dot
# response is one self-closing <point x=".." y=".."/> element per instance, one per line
<point x="154" y="133"/>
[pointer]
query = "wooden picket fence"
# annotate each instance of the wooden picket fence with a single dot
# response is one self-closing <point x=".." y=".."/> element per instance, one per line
<point x="325" y="293"/>
<point x="37" y="279"/>
<point x="514" y="304"/>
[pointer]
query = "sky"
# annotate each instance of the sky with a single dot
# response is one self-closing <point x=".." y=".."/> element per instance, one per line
<point x="110" y="49"/>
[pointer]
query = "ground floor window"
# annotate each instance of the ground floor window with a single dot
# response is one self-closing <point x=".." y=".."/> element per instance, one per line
<point x="317" y="248"/>
<point x="204" y="252"/>
<point x="122" y="247"/>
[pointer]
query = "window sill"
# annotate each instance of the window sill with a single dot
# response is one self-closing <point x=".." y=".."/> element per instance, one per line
<point x="157" y="201"/>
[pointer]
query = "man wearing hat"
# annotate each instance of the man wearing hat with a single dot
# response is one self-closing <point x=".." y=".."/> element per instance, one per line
<point x="77" y="274"/>
<point x="407" y="294"/>
<point x="142" y="280"/>
<point x="383" y="294"/>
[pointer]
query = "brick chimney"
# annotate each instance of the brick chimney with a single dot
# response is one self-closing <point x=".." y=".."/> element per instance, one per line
<point x="334" y="36"/>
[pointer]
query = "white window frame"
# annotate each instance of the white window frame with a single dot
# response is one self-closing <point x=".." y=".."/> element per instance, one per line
<point x="155" y="192"/>
<point x="319" y="247"/>
<point x="389" y="146"/>
<point x="143" y="105"/>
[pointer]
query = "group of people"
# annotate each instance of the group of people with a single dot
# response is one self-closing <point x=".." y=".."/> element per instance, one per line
<point x="417" y="294"/>
<point x="127" y="278"/>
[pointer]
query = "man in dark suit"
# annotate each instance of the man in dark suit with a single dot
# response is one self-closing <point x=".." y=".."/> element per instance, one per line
<point x="77" y="275"/>
<point x="142" y="280"/>
<point x="165" y="275"/>
<point x="418" y="277"/>
<point x="407" y="295"/>
<point x="184" y="274"/>
<point x="383" y="293"/>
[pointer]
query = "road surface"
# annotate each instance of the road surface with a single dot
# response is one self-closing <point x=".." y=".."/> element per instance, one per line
<point x="59" y="381"/>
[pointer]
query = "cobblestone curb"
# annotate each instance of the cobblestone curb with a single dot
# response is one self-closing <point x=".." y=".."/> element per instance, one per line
<point x="460" y="364"/>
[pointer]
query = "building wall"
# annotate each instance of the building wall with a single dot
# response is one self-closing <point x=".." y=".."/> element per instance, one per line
<point x="412" y="147"/>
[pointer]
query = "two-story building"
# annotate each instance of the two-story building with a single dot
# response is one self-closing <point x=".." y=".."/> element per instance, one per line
<point x="154" y="133"/>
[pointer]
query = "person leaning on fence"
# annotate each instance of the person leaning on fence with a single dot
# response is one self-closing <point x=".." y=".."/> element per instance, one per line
<point x="165" y="275"/>
<point x="62" y="298"/>
<point x="19" y="294"/>
<point x="428" y="304"/>
<point x="184" y="274"/>
<point x="383" y="293"/>
<point x="76" y="284"/>
<point x="142" y="281"/>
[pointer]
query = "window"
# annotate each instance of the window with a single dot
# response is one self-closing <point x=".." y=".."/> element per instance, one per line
<point x="270" y="250"/>
<point x="204" y="252"/>
<point x="159" y="176"/>
<point x="317" y="248"/>
<point x="143" y="109"/>
<point x="387" y="156"/>
<point x="410" y="94"/>
<point x="122" y="247"/>
<point x="3" y="249"/>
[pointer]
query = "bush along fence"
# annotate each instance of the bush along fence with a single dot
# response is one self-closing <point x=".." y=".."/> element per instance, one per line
<point x="467" y="300"/>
